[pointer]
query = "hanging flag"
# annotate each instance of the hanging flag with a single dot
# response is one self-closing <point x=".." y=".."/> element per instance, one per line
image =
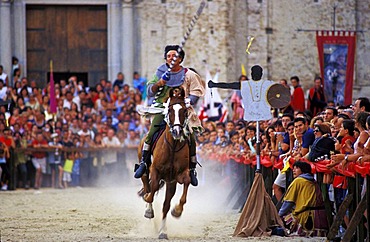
<point x="53" y="101"/>
<point x="336" y="56"/>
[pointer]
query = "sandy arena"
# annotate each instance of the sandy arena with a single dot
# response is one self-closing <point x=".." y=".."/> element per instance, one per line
<point x="116" y="213"/>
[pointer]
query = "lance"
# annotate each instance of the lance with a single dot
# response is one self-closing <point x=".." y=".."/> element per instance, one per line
<point x="187" y="33"/>
<point x="182" y="44"/>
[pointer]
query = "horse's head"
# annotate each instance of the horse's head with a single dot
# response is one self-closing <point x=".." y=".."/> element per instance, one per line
<point x="176" y="113"/>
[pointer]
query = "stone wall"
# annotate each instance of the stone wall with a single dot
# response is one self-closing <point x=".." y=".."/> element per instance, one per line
<point x="221" y="34"/>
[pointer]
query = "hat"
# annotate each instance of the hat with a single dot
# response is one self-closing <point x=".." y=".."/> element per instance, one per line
<point x="54" y="135"/>
<point x="176" y="48"/>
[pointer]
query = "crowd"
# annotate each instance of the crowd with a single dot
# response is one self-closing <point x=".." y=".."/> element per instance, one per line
<point x="87" y="117"/>
<point x="311" y="131"/>
<point x="105" y="115"/>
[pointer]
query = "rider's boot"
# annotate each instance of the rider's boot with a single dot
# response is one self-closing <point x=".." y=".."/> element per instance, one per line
<point x="145" y="161"/>
<point x="193" y="173"/>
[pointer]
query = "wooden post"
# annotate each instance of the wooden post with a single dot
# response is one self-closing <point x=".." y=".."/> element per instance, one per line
<point x="360" y="228"/>
<point x="325" y="196"/>
<point x="355" y="220"/>
<point x="340" y="215"/>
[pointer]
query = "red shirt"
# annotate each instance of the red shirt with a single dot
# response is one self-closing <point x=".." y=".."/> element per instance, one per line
<point x="297" y="101"/>
<point x="40" y="154"/>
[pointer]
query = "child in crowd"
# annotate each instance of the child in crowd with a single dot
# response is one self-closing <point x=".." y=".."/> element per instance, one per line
<point x="68" y="166"/>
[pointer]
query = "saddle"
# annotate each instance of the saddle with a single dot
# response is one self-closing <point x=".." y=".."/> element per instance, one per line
<point x="157" y="135"/>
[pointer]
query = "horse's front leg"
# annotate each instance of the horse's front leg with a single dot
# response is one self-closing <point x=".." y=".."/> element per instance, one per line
<point x="170" y="192"/>
<point x="177" y="210"/>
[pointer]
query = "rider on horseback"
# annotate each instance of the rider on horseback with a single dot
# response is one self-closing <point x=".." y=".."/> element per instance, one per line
<point x="159" y="87"/>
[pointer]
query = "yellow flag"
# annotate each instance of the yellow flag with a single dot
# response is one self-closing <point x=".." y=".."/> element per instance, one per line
<point x="244" y="73"/>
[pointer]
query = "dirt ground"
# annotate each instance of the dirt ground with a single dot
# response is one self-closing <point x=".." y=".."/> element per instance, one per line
<point x="116" y="213"/>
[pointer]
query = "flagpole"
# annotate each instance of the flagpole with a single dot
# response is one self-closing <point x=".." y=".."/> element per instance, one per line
<point x="52" y="101"/>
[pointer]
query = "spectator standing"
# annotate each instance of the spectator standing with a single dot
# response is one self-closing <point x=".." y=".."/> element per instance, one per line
<point x="316" y="97"/>
<point x="20" y="159"/>
<point x="110" y="158"/>
<point x="4" y="174"/>
<point x="4" y="76"/>
<point x="55" y="161"/>
<point x="139" y="84"/>
<point x="120" y="80"/>
<point x="39" y="158"/>
<point x="67" y="169"/>
<point x="297" y="99"/>
<point x="236" y="102"/>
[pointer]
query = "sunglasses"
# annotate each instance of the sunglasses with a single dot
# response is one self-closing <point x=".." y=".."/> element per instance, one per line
<point x="316" y="130"/>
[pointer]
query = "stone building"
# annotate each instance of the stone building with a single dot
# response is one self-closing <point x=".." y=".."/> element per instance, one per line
<point x="99" y="38"/>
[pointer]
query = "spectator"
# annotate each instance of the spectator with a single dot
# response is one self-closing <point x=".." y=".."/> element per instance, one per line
<point x="303" y="208"/>
<point x="20" y="159"/>
<point x="330" y="114"/>
<point x="39" y="158"/>
<point x="67" y="169"/>
<point x="110" y="158"/>
<point x="323" y="145"/>
<point x="55" y="161"/>
<point x="297" y="99"/>
<point x="120" y="81"/>
<point x="362" y="104"/>
<point x="4" y="76"/>
<point x="316" y="98"/>
<point x="4" y="174"/>
<point x="139" y="84"/>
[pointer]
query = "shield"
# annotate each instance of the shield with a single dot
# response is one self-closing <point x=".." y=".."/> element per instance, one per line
<point x="278" y="96"/>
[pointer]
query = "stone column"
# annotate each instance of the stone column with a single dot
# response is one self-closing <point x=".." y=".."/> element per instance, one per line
<point x="19" y="34"/>
<point x="114" y="40"/>
<point x="127" y="40"/>
<point x="5" y="37"/>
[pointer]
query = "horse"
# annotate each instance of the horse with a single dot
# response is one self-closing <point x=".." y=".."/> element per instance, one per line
<point x="170" y="160"/>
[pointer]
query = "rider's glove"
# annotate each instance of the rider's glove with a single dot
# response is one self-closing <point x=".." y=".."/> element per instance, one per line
<point x="166" y="76"/>
<point x="187" y="102"/>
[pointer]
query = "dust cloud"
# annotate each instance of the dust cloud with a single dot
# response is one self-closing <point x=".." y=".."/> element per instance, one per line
<point x="112" y="211"/>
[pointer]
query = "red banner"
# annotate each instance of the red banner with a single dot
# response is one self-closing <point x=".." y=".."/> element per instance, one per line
<point x="337" y="59"/>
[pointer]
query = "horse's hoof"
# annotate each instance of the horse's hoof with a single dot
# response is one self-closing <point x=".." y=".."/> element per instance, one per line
<point x="175" y="213"/>
<point x="149" y="213"/>
<point x="141" y="193"/>
<point x="145" y="197"/>
<point x="162" y="236"/>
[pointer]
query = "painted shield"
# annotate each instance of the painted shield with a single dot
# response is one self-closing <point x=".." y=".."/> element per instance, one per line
<point x="278" y="96"/>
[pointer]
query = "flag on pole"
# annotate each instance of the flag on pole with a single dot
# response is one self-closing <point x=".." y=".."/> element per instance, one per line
<point x="53" y="101"/>
<point x="212" y="107"/>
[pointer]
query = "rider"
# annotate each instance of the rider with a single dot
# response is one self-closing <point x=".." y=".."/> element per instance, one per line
<point x="159" y="87"/>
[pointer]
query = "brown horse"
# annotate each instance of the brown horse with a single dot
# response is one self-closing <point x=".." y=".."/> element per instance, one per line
<point x="170" y="160"/>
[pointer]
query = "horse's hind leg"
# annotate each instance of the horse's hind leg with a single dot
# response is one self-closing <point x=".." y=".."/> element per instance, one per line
<point x="170" y="192"/>
<point x="177" y="211"/>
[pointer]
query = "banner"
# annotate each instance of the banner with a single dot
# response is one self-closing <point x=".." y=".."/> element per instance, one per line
<point x="53" y="102"/>
<point x="336" y="56"/>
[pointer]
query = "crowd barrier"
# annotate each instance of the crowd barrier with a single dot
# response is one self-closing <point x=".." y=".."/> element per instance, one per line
<point x="126" y="157"/>
<point x="123" y="170"/>
<point x="353" y="173"/>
